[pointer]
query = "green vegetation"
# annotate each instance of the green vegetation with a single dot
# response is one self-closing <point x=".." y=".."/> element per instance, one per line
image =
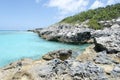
<point x="94" y="24"/>
<point x="104" y="13"/>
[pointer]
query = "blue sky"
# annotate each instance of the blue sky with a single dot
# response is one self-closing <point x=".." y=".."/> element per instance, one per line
<point x="30" y="14"/>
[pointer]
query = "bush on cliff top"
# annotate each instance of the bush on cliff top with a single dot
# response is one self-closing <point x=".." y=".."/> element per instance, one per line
<point x="104" y="13"/>
<point x="94" y="24"/>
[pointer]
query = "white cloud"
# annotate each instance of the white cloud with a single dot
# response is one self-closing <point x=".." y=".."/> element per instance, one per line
<point x="68" y="6"/>
<point x="97" y="4"/>
<point x="37" y="1"/>
<point x="109" y="2"/>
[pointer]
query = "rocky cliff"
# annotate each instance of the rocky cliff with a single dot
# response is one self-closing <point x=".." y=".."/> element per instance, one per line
<point x="105" y="39"/>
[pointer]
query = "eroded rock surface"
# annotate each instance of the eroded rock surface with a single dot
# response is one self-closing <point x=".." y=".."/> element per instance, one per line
<point x="66" y="33"/>
<point x="99" y="66"/>
<point x="60" y="54"/>
<point x="108" y="38"/>
<point x="59" y="70"/>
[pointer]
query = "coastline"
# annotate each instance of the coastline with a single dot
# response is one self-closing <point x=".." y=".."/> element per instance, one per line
<point x="101" y="60"/>
<point x="18" y="45"/>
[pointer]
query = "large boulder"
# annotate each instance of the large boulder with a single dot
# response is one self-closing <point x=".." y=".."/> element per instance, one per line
<point x="60" y="54"/>
<point x="108" y="39"/>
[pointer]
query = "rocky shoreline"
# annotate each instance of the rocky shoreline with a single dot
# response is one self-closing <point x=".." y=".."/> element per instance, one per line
<point x="59" y="65"/>
<point x="100" y="61"/>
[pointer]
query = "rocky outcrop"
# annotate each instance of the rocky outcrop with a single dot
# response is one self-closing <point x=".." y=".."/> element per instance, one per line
<point x="88" y="55"/>
<point x="108" y="39"/>
<point x="11" y="71"/>
<point x="109" y="23"/>
<point x="58" y="66"/>
<point x="57" y="70"/>
<point x="66" y="33"/>
<point x="116" y="71"/>
<point x="68" y="70"/>
<point x="103" y="58"/>
<point x="60" y="54"/>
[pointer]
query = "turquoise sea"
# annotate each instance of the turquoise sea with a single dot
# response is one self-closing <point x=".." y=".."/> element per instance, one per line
<point x="15" y="45"/>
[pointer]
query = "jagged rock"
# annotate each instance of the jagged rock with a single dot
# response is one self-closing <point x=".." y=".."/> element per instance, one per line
<point x="70" y="68"/>
<point x="18" y="64"/>
<point x="108" y="39"/>
<point x="88" y="55"/>
<point x="117" y="68"/>
<point x="118" y="55"/>
<point x="60" y="54"/>
<point x="109" y="23"/>
<point x="66" y="33"/>
<point x="22" y="76"/>
<point x="102" y="58"/>
<point x="116" y="71"/>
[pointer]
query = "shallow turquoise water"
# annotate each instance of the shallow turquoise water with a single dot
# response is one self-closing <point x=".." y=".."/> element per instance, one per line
<point x="15" y="45"/>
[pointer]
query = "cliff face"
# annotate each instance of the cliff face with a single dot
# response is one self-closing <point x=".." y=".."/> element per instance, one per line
<point x="66" y="33"/>
<point x="105" y="39"/>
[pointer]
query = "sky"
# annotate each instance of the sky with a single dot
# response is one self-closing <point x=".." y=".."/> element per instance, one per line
<point x="31" y="14"/>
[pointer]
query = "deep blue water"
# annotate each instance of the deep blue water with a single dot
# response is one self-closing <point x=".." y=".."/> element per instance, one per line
<point x="15" y="45"/>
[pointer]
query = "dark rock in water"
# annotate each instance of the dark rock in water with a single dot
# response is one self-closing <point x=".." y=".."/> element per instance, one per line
<point x="60" y="54"/>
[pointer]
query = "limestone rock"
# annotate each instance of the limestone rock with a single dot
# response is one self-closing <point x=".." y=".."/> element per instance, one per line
<point x="55" y="69"/>
<point x="116" y="71"/>
<point x="88" y="55"/>
<point x="102" y="58"/>
<point x="60" y="54"/>
<point x="108" y="39"/>
<point x="66" y="33"/>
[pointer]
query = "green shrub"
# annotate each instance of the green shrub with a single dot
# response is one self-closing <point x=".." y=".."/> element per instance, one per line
<point x="104" y="13"/>
<point x="94" y="24"/>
